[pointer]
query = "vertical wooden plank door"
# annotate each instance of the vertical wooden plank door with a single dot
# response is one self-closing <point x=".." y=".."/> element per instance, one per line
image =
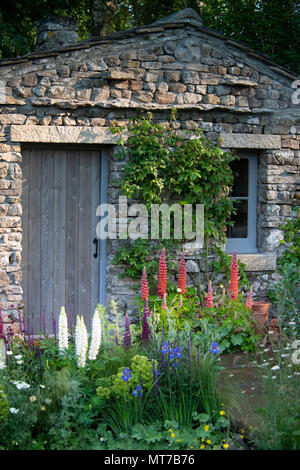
<point x="61" y="191"/>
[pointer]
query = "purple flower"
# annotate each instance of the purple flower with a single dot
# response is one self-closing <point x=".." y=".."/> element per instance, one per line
<point x="146" y="329"/>
<point x="127" y="335"/>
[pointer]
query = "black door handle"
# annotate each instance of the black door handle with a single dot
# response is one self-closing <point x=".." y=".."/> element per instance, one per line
<point x="95" y="241"/>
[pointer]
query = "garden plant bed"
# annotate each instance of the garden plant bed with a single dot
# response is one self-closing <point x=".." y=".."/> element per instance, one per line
<point x="192" y="374"/>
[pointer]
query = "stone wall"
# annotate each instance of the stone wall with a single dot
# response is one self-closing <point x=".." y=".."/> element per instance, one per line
<point x="215" y="84"/>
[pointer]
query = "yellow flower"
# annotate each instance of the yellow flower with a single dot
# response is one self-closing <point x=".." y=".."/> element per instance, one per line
<point x="43" y="408"/>
<point x="32" y="398"/>
<point x="172" y="435"/>
<point x="222" y="413"/>
<point x="191" y="447"/>
<point x="170" y="430"/>
<point x="208" y="441"/>
<point x="243" y="430"/>
<point x="242" y="437"/>
<point x="178" y="440"/>
<point x="206" y="428"/>
<point x="202" y="447"/>
<point x="202" y="440"/>
<point x="250" y="427"/>
<point x="222" y="404"/>
<point x="225" y="446"/>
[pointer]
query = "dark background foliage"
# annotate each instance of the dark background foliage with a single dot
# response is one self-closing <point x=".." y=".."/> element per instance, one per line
<point x="268" y="26"/>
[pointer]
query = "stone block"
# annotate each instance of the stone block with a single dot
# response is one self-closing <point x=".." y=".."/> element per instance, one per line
<point x="256" y="141"/>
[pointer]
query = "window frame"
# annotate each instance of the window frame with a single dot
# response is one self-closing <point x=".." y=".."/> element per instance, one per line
<point x="249" y="244"/>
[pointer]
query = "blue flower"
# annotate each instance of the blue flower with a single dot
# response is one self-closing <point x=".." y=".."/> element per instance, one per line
<point x="138" y="388"/>
<point x="126" y="374"/>
<point x="165" y="347"/>
<point x="214" y="348"/>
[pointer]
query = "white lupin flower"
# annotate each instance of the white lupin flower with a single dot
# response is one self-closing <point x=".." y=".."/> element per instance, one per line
<point x="83" y="345"/>
<point x="63" y="340"/>
<point x="77" y="335"/>
<point x="96" y="336"/>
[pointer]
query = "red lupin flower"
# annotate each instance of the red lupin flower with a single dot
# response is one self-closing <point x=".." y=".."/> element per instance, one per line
<point x="144" y="285"/>
<point x="182" y="275"/>
<point x="162" y="275"/>
<point x="234" y="277"/>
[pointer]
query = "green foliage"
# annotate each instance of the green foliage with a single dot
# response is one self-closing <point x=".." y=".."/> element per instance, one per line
<point x="18" y="21"/>
<point x="278" y="419"/>
<point x="267" y="31"/>
<point x="141" y="372"/>
<point x="233" y="325"/>
<point x="291" y="240"/>
<point x="133" y="255"/>
<point x="229" y="322"/>
<point x="285" y="293"/>
<point x="165" y="167"/>
<point x="4" y="405"/>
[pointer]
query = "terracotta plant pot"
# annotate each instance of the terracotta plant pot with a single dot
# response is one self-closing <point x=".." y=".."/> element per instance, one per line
<point x="260" y="315"/>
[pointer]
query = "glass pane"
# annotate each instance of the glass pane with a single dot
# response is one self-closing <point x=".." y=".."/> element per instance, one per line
<point x="240" y="169"/>
<point x="240" y="219"/>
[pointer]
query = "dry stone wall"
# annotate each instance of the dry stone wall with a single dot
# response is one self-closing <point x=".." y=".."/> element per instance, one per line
<point x="215" y="84"/>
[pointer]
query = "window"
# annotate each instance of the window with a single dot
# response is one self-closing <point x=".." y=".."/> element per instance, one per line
<point x="242" y="235"/>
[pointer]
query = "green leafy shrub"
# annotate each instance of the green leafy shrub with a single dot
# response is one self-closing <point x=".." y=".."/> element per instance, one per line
<point x="4" y="405"/>
<point x="140" y="372"/>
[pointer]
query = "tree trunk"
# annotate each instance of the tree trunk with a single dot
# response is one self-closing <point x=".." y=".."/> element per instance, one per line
<point x="103" y="12"/>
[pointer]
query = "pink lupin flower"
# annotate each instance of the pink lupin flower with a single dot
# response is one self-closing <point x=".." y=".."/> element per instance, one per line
<point x="144" y="285"/>
<point x="209" y="298"/>
<point x="234" y="277"/>
<point x="249" y="299"/>
<point x="162" y="275"/>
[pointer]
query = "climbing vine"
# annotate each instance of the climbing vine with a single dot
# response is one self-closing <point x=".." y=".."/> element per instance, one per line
<point x="187" y="168"/>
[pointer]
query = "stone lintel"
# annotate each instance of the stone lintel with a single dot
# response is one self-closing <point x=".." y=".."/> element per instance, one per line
<point x="63" y="135"/>
<point x="258" y="261"/>
<point x="250" y="141"/>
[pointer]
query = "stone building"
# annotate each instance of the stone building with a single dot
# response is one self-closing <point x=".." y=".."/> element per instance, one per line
<point x="57" y="105"/>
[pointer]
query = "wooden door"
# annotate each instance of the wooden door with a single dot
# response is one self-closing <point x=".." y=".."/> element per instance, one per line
<point x="61" y="191"/>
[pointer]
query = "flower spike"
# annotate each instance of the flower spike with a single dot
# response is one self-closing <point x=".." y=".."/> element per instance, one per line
<point x="144" y="285"/>
<point x="162" y="275"/>
<point x="127" y="334"/>
<point x="146" y="329"/>
<point x="209" y="299"/>
<point x="234" y="277"/>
